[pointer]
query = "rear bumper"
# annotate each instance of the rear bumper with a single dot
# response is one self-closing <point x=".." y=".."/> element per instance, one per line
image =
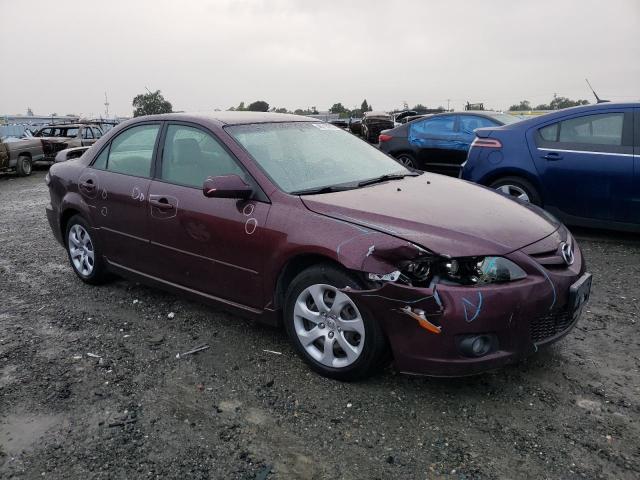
<point x="517" y="318"/>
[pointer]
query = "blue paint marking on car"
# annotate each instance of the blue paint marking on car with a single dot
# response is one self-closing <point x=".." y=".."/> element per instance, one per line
<point x="473" y="307"/>
<point x="581" y="164"/>
<point x="438" y="143"/>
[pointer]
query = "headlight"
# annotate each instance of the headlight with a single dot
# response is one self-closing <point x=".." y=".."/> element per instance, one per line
<point x="499" y="269"/>
<point x="460" y="271"/>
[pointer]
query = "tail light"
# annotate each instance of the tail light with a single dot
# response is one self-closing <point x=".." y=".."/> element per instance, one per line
<point x="384" y="138"/>
<point x="486" y="142"/>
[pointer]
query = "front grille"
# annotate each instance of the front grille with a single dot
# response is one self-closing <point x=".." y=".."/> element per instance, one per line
<point x="547" y="326"/>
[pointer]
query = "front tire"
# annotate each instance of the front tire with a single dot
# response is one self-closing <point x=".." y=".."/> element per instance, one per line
<point x="519" y="188"/>
<point x="334" y="336"/>
<point x="24" y="166"/>
<point x="84" y="254"/>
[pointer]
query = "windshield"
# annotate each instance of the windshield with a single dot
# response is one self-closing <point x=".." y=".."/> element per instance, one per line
<point x="304" y="155"/>
<point x="504" y="118"/>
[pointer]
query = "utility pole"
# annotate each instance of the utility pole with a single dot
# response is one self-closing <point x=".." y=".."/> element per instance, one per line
<point x="106" y="105"/>
<point x="448" y="100"/>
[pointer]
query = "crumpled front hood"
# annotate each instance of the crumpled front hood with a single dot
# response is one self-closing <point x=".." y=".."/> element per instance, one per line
<point x="445" y="215"/>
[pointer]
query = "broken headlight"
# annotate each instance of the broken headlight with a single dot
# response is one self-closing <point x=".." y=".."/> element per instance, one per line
<point x="427" y="271"/>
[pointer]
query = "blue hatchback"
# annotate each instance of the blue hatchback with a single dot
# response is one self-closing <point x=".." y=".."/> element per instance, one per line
<point x="581" y="164"/>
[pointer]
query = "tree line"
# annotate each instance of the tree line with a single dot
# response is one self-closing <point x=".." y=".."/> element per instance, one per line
<point x="556" y="104"/>
<point x="154" y="103"/>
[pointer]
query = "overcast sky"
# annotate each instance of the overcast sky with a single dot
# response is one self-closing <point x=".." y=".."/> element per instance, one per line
<point x="61" y="56"/>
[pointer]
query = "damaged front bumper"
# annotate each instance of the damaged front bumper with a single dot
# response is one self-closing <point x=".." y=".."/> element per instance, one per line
<point x="434" y="331"/>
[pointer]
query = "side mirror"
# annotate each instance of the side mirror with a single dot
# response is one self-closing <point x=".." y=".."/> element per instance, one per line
<point x="226" y="186"/>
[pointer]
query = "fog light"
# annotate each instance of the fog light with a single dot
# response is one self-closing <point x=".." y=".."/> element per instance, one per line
<point x="476" y="345"/>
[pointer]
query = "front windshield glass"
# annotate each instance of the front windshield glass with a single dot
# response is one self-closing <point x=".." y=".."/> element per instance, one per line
<point x="305" y="155"/>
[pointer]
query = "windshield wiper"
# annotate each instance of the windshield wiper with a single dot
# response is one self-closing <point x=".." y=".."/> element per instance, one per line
<point x="325" y="189"/>
<point x="384" y="178"/>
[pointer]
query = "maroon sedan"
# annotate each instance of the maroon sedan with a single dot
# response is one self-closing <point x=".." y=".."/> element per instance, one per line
<point x="288" y="220"/>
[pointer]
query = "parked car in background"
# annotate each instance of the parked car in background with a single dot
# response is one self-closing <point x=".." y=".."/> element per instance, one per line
<point x="70" y="154"/>
<point x="582" y="164"/>
<point x="340" y="122"/>
<point x="60" y="136"/>
<point x="438" y="143"/>
<point x="292" y="221"/>
<point x="355" y="126"/>
<point x="373" y="123"/>
<point x="399" y="116"/>
<point x="413" y="118"/>
<point x="19" y="155"/>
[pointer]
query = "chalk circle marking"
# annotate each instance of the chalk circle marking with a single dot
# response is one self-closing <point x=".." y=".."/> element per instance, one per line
<point x="250" y="226"/>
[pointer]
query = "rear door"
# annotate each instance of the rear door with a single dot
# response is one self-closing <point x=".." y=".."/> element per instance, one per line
<point x="436" y="143"/>
<point x="116" y="188"/>
<point x="585" y="163"/>
<point x="212" y="245"/>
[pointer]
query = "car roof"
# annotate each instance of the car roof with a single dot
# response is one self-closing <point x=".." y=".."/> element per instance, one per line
<point x="558" y="114"/>
<point x="378" y="113"/>
<point x="65" y="125"/>
<point x="232" y="118"/>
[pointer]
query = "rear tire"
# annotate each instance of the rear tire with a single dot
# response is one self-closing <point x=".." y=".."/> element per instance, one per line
<point x="84" y="252"/>
<point x="24" y="166"/>
<point x="519" y="188"/>
<point x="344" y="344"/>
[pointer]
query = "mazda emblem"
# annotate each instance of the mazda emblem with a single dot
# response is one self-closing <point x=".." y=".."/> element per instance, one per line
<point x="567" y="253"/>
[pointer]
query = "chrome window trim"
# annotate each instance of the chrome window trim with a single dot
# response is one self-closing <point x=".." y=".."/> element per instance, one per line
<point x="586" y="151"/>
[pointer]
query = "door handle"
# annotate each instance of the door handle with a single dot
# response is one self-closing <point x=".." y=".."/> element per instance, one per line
<point x="162" y="204"/>
<point x="88" y="185"/>
<point x="552" y="156"/>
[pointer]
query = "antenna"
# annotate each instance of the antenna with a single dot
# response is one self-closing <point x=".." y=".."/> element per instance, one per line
<point x="106" y="105"/>
<point x="598" y="99"/>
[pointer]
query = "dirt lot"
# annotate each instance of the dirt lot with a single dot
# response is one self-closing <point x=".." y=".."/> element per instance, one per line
<point x="240" y="411"/>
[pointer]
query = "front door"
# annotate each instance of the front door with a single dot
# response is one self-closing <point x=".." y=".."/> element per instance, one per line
<point x="586" y="164"/>
<point x="211" y="245"/>
<point x="116" y="187"/>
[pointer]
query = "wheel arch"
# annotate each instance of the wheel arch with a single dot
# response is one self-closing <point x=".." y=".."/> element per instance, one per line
<point x="494" y="175"/>
<point x="296" y="265"/>
<point x="65" y="216"/>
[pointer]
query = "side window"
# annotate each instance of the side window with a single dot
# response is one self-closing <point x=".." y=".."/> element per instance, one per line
<point x="101" y="161"/>
<point x="602" y="129"/>
<point x="191" y="155"/>
<point x="131" y="152"/>
<point x="468" y="123"/>
<point x="96" y="132"/>
<point x="87" y="133"/>
<point x="438" y="126"/>
<point x="549" y="133"/>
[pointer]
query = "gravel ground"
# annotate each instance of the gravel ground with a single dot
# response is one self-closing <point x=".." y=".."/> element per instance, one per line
<point x="90" y="386"/>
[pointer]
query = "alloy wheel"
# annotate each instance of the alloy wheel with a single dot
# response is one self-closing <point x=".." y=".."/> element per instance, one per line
<point x="514" y="191"/>
<point x="406" y="161"/>
<point x="81" y="250"/>
<point x="329" y="326"/>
